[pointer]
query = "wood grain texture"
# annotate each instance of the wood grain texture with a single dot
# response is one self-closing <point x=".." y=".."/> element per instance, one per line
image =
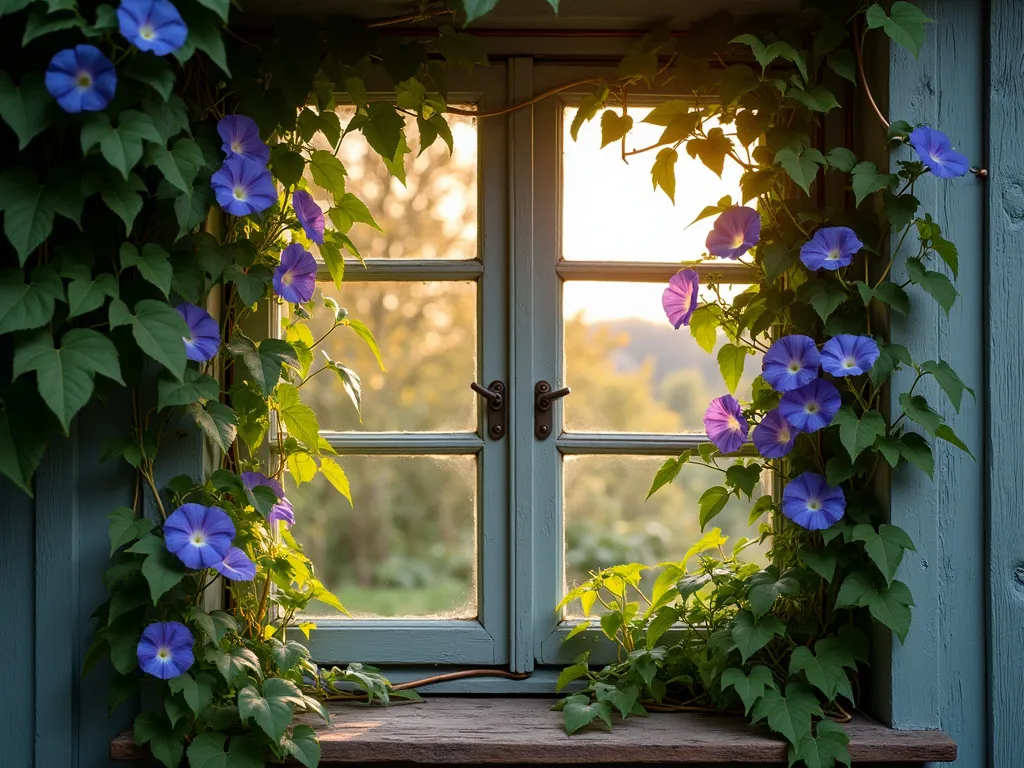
<point x="461" y="731"/>
<point x="100" y="487"/>
<point x="17" y="560"/>
<point x="522" y="375"/>
<point x="56" y="602"/>
<point x="1005" y="374"/>
<point x="339" y="641"/>
<point x="937" y="678"/>
<point x="548" y="518"/>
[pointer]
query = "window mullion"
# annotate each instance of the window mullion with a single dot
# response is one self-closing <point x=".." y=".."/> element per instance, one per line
<point x="406" y="270"/>
<point x="656" y="272"/>
<point x="525" y="320"/>
<point x="544" y="480"/>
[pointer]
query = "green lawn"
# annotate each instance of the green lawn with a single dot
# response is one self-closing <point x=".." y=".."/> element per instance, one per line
<point x="442" y="598"/>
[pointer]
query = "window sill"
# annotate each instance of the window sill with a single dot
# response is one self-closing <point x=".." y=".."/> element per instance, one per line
<point x="478" y="731"/>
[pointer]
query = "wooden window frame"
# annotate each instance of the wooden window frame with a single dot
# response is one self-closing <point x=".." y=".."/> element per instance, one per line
<point x="484" y="640"/>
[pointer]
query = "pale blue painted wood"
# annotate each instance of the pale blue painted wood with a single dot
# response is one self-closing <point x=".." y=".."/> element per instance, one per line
<point x="937" y="678"/>
<point x="99" y="488"/>
<point x="494" y="322"/>
<point x="17" y="563"/>
<point x="485" y="641"/>
<point x="56" y="603"/>
<point x="1005" y="283"/>
<point x="523" y="374"/>
<point x="388" y="641"/>
<point x="549" y="536"/>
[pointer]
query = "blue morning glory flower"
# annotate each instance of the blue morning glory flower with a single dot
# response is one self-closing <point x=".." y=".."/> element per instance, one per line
<point x="165" y="649"/>
<point x="236" y="566"/>
<point x="680" y="298"/>
<point x="736" y="231"/>
<point x="937" y="153"/>
<point x="241" y="136"/>
<point x="790" y="363"/>
<point x="310" y="216"/>
<point x="243" y="186"/>
<point x="199" y="536"/>
<point x="831" y="248"/>
<point x="295" y="278"/>
<point x="811" y="407"/>
<point x="203" y="338"/>
<point x="774" y="436"/>
<point x="81" y="79"/>
<point x="849" y="355"/>
<point x="811" y="503"/>
<point x="152" y="25"/>
<point x="280" y="511"/>
<point x="725" y="425"/>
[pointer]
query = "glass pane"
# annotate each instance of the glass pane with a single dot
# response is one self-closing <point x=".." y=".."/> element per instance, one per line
<point x="428" y="338"/>
<point x="433" y="216"/>
<point x="629" y="369"/>
<point x="597" y="187"/>
<point x="406" y="548"/>
<point x="607" y="521"/>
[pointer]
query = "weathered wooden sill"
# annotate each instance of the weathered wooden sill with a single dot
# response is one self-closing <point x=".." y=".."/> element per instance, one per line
<point x="480" y="731"/>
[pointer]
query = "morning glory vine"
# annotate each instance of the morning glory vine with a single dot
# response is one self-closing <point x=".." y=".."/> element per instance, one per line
<point x="783" y="641"/>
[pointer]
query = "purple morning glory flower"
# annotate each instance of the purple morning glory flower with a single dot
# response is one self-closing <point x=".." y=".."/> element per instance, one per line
<point x="199" y="536"/>
<point x="152" y="25"/>
<point x="203" y="338"/>
<point x="243" y="186"/>
<point x="280" y="511"/>
<point x="236" y="566"/>
<point x="165" y="649"/>
<point x="310" y="216"/>
<point x="295" y="278"/>
<point x="812" y="406"/>
<point x="241" y="136"/>
<point x="81" y="79"/>
<point x="680" y="298"/>
<point x="725" y="425"/>
<point x="811" y="503"/>
<point x="791" y="363"/>
<point x="849" y="355"/>
<point x="735" y="232"/>
<point x="937" y="153"/>
<point x="830" y="248"/>
<point x="774" y="436"/>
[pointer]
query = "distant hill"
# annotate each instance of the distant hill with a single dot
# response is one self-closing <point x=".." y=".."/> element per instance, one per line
<point x="669" y="349"/>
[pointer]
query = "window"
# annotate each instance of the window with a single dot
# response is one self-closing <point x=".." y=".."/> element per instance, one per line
<point x="421" y="558"/>
<point x="504" y="264"/>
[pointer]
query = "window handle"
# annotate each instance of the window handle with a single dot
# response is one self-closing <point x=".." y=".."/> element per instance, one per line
<point x="495" y="397"/>
<point x="543" y="398"/>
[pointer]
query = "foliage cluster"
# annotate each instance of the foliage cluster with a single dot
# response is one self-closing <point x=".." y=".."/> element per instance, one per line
<point x="156" y="215"/>
<point x="783" y="643"/>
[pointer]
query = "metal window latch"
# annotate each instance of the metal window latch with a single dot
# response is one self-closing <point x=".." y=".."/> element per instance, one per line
<point x="496" y="407"/>
<point x="543" y="399"/>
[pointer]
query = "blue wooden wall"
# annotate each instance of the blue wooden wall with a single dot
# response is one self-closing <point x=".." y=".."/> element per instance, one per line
<point x="938" y="678"/>
<point x="1005" y="384"/>
<point x="962" y="667"/>
<point x="53" y="552"/>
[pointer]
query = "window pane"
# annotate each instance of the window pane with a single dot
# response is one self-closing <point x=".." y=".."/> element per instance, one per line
<point x="407" y="546"/>
<point x="433" y="216"/>
<point x="598" y="188"/>
<point x="629" y="369"/>
<point x="607" y="521"/>
<point x="427" y="335"/>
